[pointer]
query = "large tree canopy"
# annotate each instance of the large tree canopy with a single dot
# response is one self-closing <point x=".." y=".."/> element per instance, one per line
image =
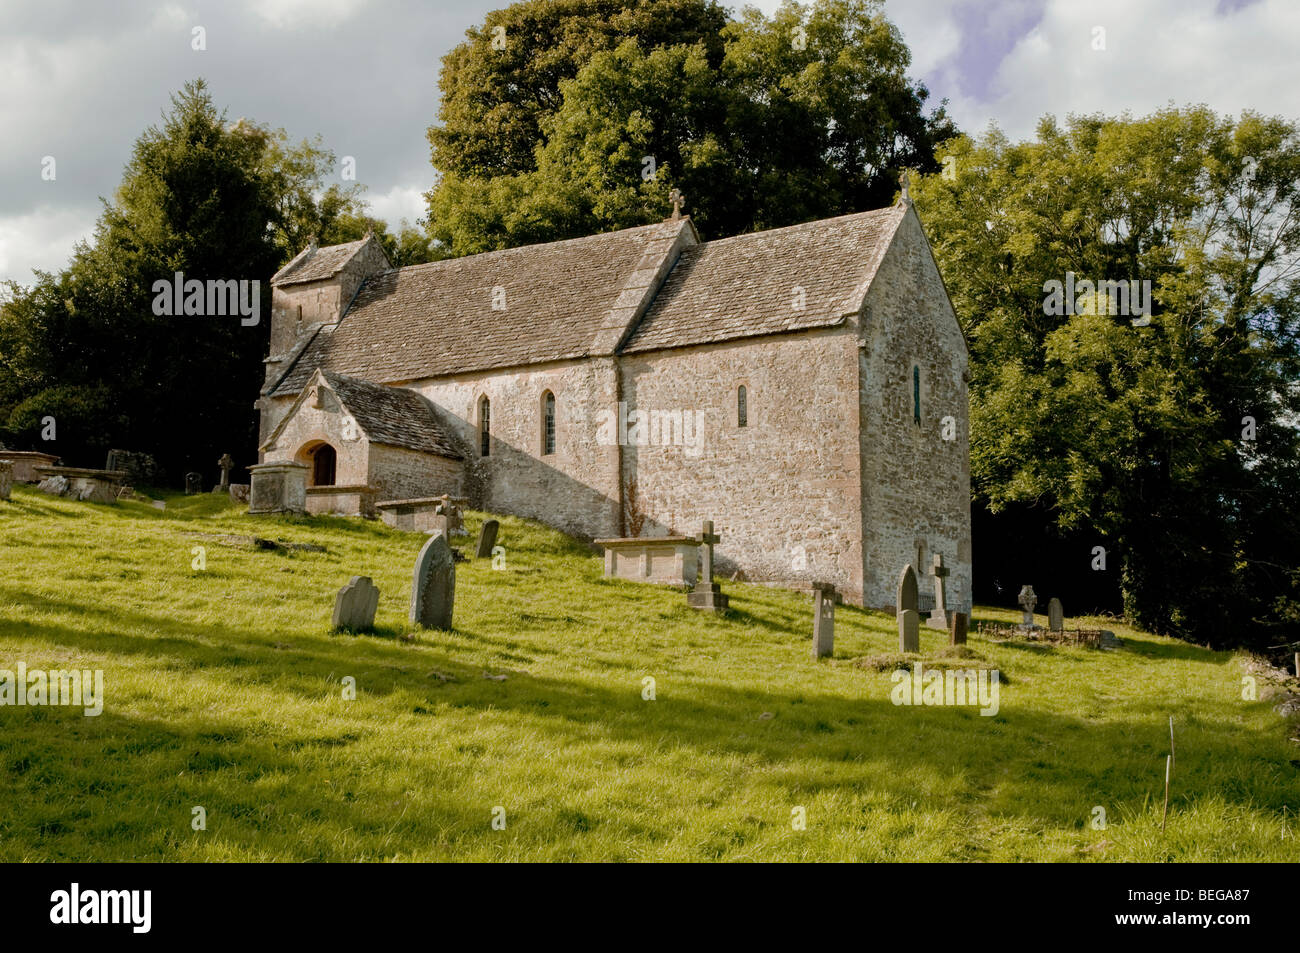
<point x="201" y="196"/>
<point x="1173" y="443"/>
<point x="761" y="122"/>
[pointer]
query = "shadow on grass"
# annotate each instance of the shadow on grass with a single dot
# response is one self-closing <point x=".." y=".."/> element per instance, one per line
<point x="815" y="733"/>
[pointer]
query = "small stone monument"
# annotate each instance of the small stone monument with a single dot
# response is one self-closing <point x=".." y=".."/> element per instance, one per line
<point x="957" y="628"/>
<point x="239" y="492"/>
<point x="226" y="464"/>
<point x="433" y="588"/>
<point x="354" y="609"/>
<point x="823" y="619"/>
<point x="939" y="614"/>
<point x="707" y="594"/>
<point x="6" y="478"/>
<point x="906" y="594"/>
<point x="1028" y="600"/>
<point x="278" y="488"/>
<point x="439" y="524"/>
<point x="1055" y="615"/>
<point x="193" y="483"/>
<point x="487" y="538"/>
<point x="909" y="631"/>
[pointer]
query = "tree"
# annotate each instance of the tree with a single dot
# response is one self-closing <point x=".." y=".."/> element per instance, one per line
<point x="766" y="123"/>
<point x="1171" y="442"/>
<point x="199" y="196"/>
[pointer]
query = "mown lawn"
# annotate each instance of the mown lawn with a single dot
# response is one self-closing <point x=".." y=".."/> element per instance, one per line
<point x="225" y="690"/>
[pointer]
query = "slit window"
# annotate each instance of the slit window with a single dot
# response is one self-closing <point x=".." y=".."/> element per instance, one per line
<point x="916" y="393"/>
<point x="742" y="406"/>
<point x="484" y="427"/>
<point x="548" y="423"/>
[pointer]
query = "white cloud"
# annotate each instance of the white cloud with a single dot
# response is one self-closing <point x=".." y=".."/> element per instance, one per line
<point x="297" y="14"/>
<point x="399" y="202"/>
<point x="42" y="240"/>
<point x="1157" y="51"/>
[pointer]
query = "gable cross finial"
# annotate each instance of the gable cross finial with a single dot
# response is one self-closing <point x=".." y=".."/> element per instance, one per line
<point x="678" y="200"/>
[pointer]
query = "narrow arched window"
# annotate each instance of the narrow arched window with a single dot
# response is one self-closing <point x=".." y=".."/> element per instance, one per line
<point x="548" y="423"/>
<point x="916" y="393"/>
<point x="484" y="426"/>
<point x="742" y="406"/>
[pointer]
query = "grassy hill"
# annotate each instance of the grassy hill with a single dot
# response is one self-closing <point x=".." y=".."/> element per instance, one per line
<point x="224" y="690"/>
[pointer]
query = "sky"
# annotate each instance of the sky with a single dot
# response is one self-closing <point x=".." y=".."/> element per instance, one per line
<point x="79" y="81"/>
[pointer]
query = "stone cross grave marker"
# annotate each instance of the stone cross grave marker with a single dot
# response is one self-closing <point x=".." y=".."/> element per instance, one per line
<point x="707" y="594"/>
<point x="487" y="538"/>
<point x="823" y="619"/>
<point x="939" y="614"/>
<point x="433" y="588"/>
<point x="909" y="631"/>
<point x="226" y="465"/>
<point x="1055" y="615"/>
<point x="354" y="608"/>
<point x="957" y="628"/>
<point x="906" y="594"/>
<point x="1028" y="600"/>
<point x="193" y="483"/>
<point x="6" y="478"/>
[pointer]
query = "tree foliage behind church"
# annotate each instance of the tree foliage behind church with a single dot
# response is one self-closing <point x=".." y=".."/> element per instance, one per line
<point x="201" y="196"/>
<point x="559" y="119"/>
<point x="1174" y="445"/>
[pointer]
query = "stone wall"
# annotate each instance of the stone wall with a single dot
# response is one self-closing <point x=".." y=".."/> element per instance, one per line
<point x="783" y="491"/>
<point x="576" y="488"/>
<point x="915" y="484"/>
<point x="400" y="474"/>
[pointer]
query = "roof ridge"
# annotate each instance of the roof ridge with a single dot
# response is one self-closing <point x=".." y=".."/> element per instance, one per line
<point x="881" y="212"/>
<point x="517" y="249"/>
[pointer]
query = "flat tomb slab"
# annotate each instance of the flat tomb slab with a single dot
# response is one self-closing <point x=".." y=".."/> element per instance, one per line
<point x="665" y="560"/>
<point x="78" y="483"/>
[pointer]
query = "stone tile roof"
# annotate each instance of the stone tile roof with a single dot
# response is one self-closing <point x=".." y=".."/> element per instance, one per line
<point x="563" y="299"/>
<point x="435" y="319"/>
<point x="313" y="263"/>
<point x="746" y="286"/>
<point x="393" y="415"/>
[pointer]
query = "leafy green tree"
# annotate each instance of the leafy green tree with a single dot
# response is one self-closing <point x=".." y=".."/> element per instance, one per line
<point x="200" y="196"/>
<point x="1172" y="442"/>
<point x="767" y="123"/>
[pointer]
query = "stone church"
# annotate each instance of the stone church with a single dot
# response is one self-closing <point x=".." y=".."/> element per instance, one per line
<point x="805" y="388"/>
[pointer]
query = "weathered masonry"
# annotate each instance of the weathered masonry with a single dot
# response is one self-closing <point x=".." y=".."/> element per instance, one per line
<point x="804" y="388"/>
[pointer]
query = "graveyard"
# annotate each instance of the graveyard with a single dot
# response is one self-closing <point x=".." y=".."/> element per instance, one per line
<point x="570" y="716"/>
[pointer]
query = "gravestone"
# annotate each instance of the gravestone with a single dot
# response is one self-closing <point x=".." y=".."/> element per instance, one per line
<point x="906" y="594"/>
<point x="440" y="525"/>
<point x="1027" y="600"/>
<point x="226" y="465"/>
<point x="239" y="492"/>
<point x="909" y="631"/>
<point x="707" y="594"/>
<point x="1055" y="615"/>
<point x="823" y="619"/>
<point x="193" y="483"/>
<point x="6" y="478"/>
<point x="354" y="609"/>
<point x="957" y="628"/>
<point x="433" y="588"/>
<point x="487" y="538"/>
<point x="939" y="614"/>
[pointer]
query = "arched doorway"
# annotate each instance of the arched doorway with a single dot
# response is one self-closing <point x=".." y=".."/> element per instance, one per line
<point x="324" y="462"/>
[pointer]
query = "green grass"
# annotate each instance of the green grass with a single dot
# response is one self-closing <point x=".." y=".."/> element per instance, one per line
<point x="224" y="690"/>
